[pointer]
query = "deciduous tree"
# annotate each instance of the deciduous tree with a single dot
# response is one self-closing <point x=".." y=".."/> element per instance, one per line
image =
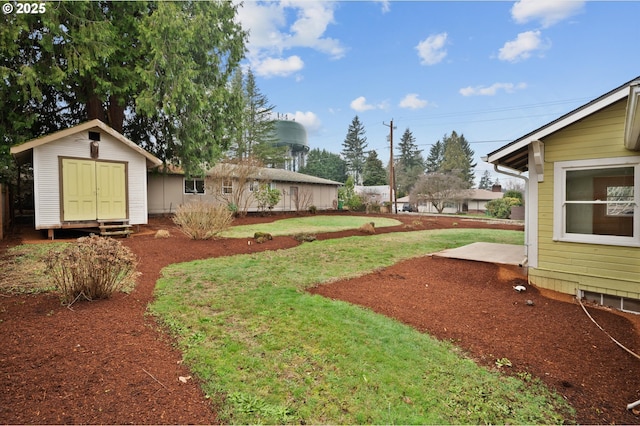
<point x="438" y="189"/>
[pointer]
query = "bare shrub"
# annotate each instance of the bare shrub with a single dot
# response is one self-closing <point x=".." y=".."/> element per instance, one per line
<point x="94" y="268"/>
<point x="202" y="221"/>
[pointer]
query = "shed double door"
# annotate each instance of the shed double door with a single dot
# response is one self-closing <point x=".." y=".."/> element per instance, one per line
<point x="93" y="190"/>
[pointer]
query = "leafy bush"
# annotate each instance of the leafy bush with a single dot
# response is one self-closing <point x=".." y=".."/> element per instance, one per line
<point x="267" y="197"/>
<point x="501" y="208"/>
<point x="313" y="209"/>
<point x="94" y="268"/>
<point x="513" y="193"/>
<point x="202" y="221"/>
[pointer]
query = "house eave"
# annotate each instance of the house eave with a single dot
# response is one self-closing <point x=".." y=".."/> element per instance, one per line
<point x="514" y="154"/>
<point x="632" y="119"/>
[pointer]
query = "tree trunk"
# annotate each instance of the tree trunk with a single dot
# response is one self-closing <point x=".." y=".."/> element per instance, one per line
<point x="115" y="114"/>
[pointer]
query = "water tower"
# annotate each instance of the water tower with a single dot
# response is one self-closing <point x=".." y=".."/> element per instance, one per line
<point x="293" y="136"/>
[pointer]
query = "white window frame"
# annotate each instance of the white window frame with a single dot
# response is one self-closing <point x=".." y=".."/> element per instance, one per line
<point x="184" y="187"/>
<point x="561" y="168"/>
<point x="226" y="189"/>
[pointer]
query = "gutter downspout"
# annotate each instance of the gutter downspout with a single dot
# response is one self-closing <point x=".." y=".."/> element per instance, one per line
<point x="526" y="215"/>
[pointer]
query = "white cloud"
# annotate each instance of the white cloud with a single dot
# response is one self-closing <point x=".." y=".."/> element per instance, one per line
<point x="277" y="66"/>
<point x="271" y="34"/>
<point x="548" y="12"/>
<point x="308" y="119"/>
<point x="386" y="5"/>
<point x="431" y="50"/>
<point x="360" y="104"/>
<point x="413" y="101"/>
<point x="492" y="90"/>
<point x="522" y="47"/>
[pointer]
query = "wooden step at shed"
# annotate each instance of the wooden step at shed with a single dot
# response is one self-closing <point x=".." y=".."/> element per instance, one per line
<point x="115" y="227"/>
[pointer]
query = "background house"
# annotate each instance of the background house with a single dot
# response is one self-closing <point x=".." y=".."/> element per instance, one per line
<point x="170" y="188"/>
<point x="583" y="198"/>
<point x="86" y="175"/>
<point x="468" y="201"/>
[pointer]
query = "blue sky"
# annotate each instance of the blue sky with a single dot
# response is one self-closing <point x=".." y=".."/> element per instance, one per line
<point x="491" y="70"/>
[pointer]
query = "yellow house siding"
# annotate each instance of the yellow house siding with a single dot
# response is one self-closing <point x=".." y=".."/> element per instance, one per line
<point x="564" y="266"/>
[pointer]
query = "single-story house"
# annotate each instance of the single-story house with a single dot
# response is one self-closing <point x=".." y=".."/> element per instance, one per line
<point x="583" y="198"/>
<point x="375" y="194"/>
<point x="232" y="184"/>
<point x="87" y="176"/>
<point x="468" y="201"/>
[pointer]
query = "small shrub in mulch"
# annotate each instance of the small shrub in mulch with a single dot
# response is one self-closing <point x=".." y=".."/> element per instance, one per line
<point x="261" y="237"/>
<point x="162" y="233"/>
<point x="304" y="237"/>
<point x="368" y="228"/>
<point x="93" y="268"/>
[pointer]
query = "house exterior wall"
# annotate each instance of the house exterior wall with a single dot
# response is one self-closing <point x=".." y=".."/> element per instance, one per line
<point x="166" y="193"/>
<point x="47" y="180"/>
<point x="566" y="266"/>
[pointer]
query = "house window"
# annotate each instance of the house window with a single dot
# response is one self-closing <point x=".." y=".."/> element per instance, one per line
<point x="227" y="186"/>
<point x="194" y="186"/>
<point x="596" y="201"/>
<point x="254" y="186"/>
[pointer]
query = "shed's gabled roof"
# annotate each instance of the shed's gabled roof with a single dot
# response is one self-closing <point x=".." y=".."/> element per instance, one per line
<point x="20" y="151"/>
<point x="515" y="154"/>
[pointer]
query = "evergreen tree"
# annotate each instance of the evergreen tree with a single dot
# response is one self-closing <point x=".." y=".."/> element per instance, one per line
<point x="485" y="181"/>
<point x="410" y="155"/>
<point x="374" y="172"/>
<point x="435" y="158"/>
<point x="157" y="71"/>
<point x="325" y="164"/>
<point x="256" y="137"/>
<point x="410" y="164"/>
<point x="458" y="158"/>
<point x="353" y="149"/>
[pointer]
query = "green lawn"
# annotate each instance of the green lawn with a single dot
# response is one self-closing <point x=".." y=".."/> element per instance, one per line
<point x="309" y="224"/>
<point x="268" y="352"/>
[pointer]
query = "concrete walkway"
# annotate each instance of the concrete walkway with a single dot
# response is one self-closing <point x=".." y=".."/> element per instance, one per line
<point x="506" y="254"/>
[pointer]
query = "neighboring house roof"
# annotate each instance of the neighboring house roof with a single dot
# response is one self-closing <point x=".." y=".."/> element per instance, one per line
<point x="264" y="173"/>
<point x="482" y="195"/>
<point x="515" y="154"/>
<point x="23" y="150"/>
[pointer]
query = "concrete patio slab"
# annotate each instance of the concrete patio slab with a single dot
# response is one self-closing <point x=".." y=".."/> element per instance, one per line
<point x="506" y="254"/>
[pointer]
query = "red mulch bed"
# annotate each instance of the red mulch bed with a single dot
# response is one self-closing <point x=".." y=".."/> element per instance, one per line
<point x="107" y="362"/>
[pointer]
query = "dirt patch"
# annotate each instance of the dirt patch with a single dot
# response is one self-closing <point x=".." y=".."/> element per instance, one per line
<point x="107" y="362"/>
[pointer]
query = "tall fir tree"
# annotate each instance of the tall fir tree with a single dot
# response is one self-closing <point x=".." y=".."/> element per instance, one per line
<point x="374" y="172"/>
<point x="409" y="165"/>
<point x="255" y="137"/>
<point x="435" y="157"/>
<point x="452" y="155"/>
<point x="353" y="149"/>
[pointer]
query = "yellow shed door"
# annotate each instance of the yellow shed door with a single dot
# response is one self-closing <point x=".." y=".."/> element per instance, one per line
<point x="78" y="189"/>
<point x="111" y="190"/>
<point x="93" y="190"/>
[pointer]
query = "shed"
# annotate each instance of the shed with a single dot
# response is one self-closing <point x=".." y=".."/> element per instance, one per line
<point x="582" y="174"/>
<point x="87" y="176"/>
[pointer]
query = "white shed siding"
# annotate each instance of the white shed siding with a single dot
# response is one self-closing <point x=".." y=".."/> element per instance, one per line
<point x="46" y="162"/>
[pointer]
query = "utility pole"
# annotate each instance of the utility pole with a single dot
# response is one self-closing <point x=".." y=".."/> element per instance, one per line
<point x="392" y="173"/>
